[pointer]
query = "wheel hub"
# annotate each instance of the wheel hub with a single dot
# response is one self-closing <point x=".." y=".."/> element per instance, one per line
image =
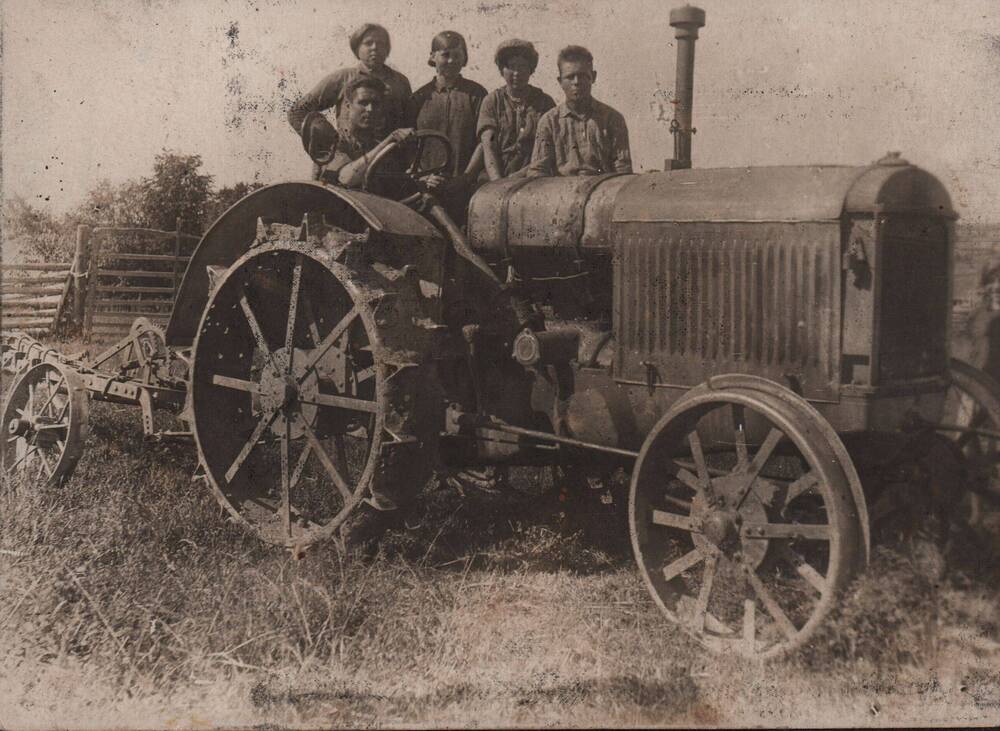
<point x="287" y="392"/>
<point x="721" y="528"/>
<point x="722" y="521"/>
<point x="18" y="427"/>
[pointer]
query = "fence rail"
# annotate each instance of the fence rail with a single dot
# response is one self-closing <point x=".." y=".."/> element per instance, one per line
<point x="33" y="296"/>
<point x="123" y="285"/>
<point x="103" y="289"/>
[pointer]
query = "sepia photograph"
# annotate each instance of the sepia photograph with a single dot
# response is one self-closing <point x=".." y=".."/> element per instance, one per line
<point x="499" y="364"/>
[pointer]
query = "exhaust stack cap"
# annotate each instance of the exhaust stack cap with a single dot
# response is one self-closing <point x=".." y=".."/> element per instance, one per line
<point x="687" y="19"/>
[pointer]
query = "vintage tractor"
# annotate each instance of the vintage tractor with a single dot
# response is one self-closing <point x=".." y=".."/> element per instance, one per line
<point x="733" y="337"/>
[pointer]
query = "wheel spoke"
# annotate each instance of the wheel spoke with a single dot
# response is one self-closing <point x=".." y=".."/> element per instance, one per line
<point x="65" y="408"/>
<point x="740" y="433"/>
<point x="712" y="471"/>
<point x="772" y="607"/>
<point x="50" y="427"/>
<point x="52" y="394"/>
<point x="808" y="482"/>
<point x="759" y="460"/>
<point x="678" y="502"/>
<point x="324" y="458"/>
<point x="299" y="466"/>
<point x="45" y="462"/>
<point x="977" y="418"/>
<point x="307" y="311"/>
<point x="265" y="421"/>
<point x="673" y="520"/>
<point x="258" y="334"/>
<point x="286" y="518"/>
<point x="685" y="562"/>
<point x="29" y="449"/>
<point x="804" y="569"/>
<point x="343" y="402"/>
<point x="704" y="593"/>
<point x="698" y="454"/>
<point x="338" y="441"/>
<point x="293" y="304"/>
<point x="806" y="531"/>
<point x="691" y="481"/>
<point x="328" y="341"/>
<point x="236" y="383"/>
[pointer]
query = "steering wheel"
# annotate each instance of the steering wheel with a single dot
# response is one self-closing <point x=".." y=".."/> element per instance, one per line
<point x="414" y="172"/>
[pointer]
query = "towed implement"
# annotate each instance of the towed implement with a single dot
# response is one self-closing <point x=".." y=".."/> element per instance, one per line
<point x="764" y="349"/>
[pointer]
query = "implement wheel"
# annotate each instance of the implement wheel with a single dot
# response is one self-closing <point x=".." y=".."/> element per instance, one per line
<point x="303" y="401"/>
<point x="44" y="424"/>
<point x="742" y="520"/>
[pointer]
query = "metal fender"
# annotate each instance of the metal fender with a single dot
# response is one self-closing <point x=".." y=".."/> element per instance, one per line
<point x="232" y="234"/>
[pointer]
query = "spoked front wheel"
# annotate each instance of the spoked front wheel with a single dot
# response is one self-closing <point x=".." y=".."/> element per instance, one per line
<point x="742" y="521"/>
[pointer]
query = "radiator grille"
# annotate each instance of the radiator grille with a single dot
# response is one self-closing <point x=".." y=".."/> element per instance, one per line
<point x="915" y="298"/>
<point x="699" y="300"/>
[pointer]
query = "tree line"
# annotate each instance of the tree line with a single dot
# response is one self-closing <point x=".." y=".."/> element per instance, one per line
<point x="177" y="190"/>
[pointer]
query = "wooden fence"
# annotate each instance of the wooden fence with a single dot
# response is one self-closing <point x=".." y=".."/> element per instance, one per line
<point x="114" y="277"/>
<point x="33" y="297"/>
<point x="123" y="285"/>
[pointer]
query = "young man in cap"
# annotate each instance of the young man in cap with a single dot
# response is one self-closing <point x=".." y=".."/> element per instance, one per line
<point x="370" y="44"/>
<point x="508" y="117"/>
<point x="581" y="136"/>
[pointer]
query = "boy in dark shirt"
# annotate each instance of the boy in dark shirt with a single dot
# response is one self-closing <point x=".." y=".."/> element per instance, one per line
<point x="370" y="44"/>
<point x="508" y="117"/>
<point x="450" y="104"/>
<point x="581" y="136"/>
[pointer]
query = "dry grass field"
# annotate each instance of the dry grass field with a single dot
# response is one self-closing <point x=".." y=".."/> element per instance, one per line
<point x="129" y="600"/>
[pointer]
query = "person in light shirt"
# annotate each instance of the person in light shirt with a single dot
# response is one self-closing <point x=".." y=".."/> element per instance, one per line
<point x="581" y="136"/>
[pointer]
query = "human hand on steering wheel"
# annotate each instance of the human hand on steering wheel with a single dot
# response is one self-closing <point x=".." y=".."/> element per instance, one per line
<point x="423" y="178"/>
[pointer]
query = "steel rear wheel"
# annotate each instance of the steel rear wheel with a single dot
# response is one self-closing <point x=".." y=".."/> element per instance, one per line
<point x="742" y="521"/>
<point x="973" y="402"/>
<point x="45" y="425"/>
<point x="299" y="407"/>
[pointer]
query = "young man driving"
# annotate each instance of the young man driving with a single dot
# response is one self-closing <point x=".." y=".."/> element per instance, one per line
<point x="359" y="142"/>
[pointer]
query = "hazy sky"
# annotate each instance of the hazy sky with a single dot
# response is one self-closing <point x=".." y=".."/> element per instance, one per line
<point x="95" y="89"/>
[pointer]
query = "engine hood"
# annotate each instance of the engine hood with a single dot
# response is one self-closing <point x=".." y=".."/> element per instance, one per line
<point x="776" y="194"/>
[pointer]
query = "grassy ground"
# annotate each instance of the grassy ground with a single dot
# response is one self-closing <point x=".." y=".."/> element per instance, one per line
<point x="130" y="600"/>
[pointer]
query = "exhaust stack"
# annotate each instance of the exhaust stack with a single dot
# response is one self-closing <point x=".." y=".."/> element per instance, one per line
<point x="686" y="21"/>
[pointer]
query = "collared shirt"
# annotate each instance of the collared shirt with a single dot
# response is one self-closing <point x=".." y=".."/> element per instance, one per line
<point x="352" y="146"/>
<point x="574" y="143"/>
<point x="349" y="148"/>
<point x="330" y="93"/>
<point x="453" y="110"/>
<point x="515" y="122"/>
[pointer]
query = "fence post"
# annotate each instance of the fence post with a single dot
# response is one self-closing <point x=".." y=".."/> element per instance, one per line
<point x="93" y="275"/>
<point x="80" y="267"/>
<point x="177" y="253"/>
